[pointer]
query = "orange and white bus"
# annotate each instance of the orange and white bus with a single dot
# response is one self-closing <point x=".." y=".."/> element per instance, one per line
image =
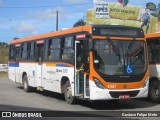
<point x="153" y="41"/>
<point x="93" y="62"/>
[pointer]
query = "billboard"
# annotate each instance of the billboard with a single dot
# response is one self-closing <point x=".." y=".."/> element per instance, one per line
<point x="137" y="13"/>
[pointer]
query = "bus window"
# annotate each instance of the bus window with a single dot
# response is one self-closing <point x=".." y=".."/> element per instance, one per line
<point x="11" y="51"/>
<point x="24" y="52"/>
<point x="54" y="49"/>
<point x="49" y="49"/>
<point x="154" y="50"/>
<point x="67" y="48"/>
<point x="28" y="50"/>
<point x="18" y="54"/>
<point x="32" y="52"/>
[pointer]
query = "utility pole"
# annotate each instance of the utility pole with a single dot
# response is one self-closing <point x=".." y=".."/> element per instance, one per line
<point x="57" y="20"/>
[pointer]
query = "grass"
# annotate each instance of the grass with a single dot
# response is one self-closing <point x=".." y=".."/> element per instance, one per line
<point x="3" y="59"/>
<point x="3" y="74"/>
<point x="4" y="55"/>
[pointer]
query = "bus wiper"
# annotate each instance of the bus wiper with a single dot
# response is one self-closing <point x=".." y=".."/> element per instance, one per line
<point x="114" y="47"/>
<point x="131" y="44"/>
<point x="130" y="47"/>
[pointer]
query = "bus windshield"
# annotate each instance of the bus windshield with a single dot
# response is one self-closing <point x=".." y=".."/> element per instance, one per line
<point x="113" y="57"/>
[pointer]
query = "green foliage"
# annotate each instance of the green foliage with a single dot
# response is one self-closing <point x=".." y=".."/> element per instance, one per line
<point x="79" y="23"/>
<point x="4" y="49"/>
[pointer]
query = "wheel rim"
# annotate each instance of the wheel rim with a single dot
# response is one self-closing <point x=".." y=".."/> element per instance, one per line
<point x="25" y="84"/>
<point x="69" y="93"/>
<point x="156" y="93"/>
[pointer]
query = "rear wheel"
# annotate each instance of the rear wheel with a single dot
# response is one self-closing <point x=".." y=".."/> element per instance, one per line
<point x="26" y="87"/>
<point x="68" y="93"/>
<point x="154" y="91"/>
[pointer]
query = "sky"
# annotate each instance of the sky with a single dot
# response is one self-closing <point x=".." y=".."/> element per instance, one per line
<point x="21" y="18"/>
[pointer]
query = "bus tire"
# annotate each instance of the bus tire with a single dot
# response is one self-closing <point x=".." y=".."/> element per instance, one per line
<point x="153" y="93"/>
<point x="68" y="93"/>
<point x="26" y="87"/>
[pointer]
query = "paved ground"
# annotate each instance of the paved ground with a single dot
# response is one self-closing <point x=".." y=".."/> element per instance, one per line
<point x="13" y="98"/>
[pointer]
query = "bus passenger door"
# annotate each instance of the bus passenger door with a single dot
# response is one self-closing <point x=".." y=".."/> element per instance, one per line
<point x="81" y="82"/>
<point x="38" y="72"/>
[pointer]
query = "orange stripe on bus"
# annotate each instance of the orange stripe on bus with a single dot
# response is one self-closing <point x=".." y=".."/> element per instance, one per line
<point x="55" y="63"/>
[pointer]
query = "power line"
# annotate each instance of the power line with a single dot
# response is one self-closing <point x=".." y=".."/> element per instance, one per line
<point x="45" y="6"/>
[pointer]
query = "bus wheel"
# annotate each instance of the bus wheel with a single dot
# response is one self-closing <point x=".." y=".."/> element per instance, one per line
<point x="26" y="87"/>
<point x="68" y="93"/>
<point x="153" y="91"/>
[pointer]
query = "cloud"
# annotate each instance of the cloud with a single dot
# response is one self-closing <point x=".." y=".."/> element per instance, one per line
<point x="25" y="28"/>
<point x="77" y="1"/>
<point x="50" y="14"/>
<point x="42" y="15"/>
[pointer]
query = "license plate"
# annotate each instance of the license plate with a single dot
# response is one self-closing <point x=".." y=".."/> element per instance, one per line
<point x="123" y="96"/>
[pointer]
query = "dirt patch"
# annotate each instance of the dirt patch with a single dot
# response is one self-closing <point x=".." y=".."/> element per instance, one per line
<point x="3" y="75"/>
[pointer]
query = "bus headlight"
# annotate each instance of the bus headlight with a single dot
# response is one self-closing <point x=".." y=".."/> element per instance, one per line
<point x="98" y="83"/>
<point x="146" y="82"/>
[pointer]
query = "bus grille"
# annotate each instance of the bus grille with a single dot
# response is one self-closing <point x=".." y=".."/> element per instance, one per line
<point x="123" y="79"/>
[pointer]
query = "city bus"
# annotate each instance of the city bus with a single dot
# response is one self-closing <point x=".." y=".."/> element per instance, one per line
<point x="90" y="62"/>
<point x="153" y="43"/>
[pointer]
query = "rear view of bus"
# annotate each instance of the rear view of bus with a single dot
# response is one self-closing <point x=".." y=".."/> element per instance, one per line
<point x="153" y="42"/>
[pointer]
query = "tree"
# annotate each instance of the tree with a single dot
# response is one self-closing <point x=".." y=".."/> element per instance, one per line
<point x="15" y="38"/>
<point x="79" y="23"/>
<point x="158" y="9"/>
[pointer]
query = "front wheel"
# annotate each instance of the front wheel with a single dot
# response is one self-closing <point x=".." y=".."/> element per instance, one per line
<point x="154" y="91"/>
<point x="68" y="94"/>
<point x="26" y="87"/>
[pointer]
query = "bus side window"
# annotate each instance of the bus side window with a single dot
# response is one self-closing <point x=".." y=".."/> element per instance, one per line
<point x="18" y="54"/>
<point x="56" y="49"/>
<point x="32" y="52"/>
<point x="53" y="49"/>
<point x="24" y="52"/>
<point x="12" y="52"/>
<point x="29" y="50"/>
<point x="49" y="49"/>
<point x="67" y="51"/>
<point x="21" y="50"/>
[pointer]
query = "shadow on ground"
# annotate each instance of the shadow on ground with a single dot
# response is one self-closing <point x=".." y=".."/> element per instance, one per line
<point x="102" y="105"/>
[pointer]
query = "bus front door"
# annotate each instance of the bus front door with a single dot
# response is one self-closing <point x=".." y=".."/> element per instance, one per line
<point x="39" y="65"/>
<point x="80" y="63"/>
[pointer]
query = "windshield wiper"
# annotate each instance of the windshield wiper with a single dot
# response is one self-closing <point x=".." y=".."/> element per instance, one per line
<point x="114" y="47"/>
<point x="131" y="44"/>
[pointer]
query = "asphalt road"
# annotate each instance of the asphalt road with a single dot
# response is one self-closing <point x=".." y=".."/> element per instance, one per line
<point x="13" y="98"/>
